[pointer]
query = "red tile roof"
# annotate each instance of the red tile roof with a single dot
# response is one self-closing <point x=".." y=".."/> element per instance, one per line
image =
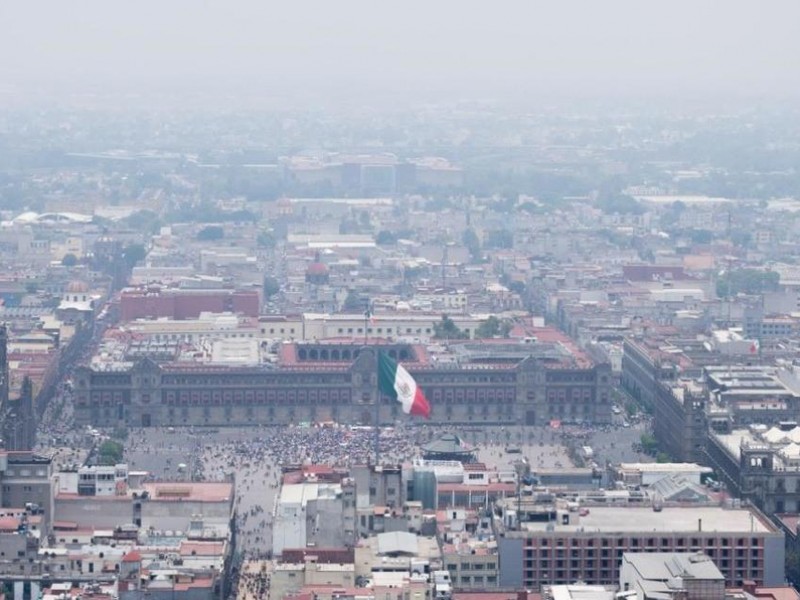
<point x="132" y="557"/>
<point x="201" y="548"/>
<point x="9" y="523"/>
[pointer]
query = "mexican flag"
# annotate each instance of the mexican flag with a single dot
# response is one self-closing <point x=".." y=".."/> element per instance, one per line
<point x="395" y="382"/>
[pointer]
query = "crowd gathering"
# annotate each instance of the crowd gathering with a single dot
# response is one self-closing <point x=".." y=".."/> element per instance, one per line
<point x="253" y="457"/>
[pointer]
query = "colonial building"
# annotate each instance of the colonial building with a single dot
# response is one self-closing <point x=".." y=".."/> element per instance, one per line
<point x="760" y="464"/>
<point x="19" y="420"/>
<point x="679" y="407"/>
<point x="509" y="384"/>
<point x="179" y="303"/>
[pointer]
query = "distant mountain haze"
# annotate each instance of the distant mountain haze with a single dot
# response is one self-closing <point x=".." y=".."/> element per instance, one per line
<point x="417" y="48"/>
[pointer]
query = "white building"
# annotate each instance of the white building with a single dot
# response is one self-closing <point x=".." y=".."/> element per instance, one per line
<point x="96" y="480"/>
<point x="312" y="514"/>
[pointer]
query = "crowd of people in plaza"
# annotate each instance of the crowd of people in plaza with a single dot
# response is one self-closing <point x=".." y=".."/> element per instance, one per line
<point x="253" y="581"/>
<point x="336" y="445"/>
<point x="253" y="457"/>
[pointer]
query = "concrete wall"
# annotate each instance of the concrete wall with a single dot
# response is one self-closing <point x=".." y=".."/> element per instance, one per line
<point x="40" y="493"/>
<point x="289" y="527"/>
<point x="288" y="578"/>
<point x="176" y="515"/>
<point x="12" y="544"/>
<point x="510" y="552"/>
<point x="89" y="511"/>
<point x="326" y="523"/>
<point x="627" y="577"/>
<point x="169" y="594"/>
<point x="774" y="561"/>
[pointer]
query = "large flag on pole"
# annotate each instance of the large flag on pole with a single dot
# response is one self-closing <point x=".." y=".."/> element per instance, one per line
<point x="395" y="382"/>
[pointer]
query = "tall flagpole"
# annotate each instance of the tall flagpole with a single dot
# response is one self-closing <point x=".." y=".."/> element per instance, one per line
<point x="377" y="418"/>
<point x="377" y="407"/>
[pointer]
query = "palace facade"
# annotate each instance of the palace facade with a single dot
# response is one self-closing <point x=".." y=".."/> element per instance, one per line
<point x="337" y="382"/>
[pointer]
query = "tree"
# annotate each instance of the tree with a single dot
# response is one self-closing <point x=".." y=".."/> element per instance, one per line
<point x="110" y="452"/>
<point x="701" y="236"/>
<point x="347" y="225"/>
<point x="649" y="443"/>
<point x="446" y="329"/>
<point x="500" y="238"/>
<point x="266" y="239"/>
<point x="352" y="303"/>
<point x="143" y="220"/>
<point x="747" y="281"/>
<point x="518" y="287"/>
<point x="470" y="240"/>
<point x="210" y="233"/>
<point x="673" y="214"/>
<point x="411" y="273"/>
<point x="515" y="286"/>
<point x="69" y="260"/>
<point x="793" y="567"/>
<point x="133" y="253"/>
<point x="741" y="238"/>
<point x="493" y="327"/>
<point x="619" y="204"/>
<point x="271" y="286"/>
<point x="385" y="238"/>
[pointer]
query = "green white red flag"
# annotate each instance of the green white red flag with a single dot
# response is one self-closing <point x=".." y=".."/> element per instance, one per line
<point x="395" y="382"/>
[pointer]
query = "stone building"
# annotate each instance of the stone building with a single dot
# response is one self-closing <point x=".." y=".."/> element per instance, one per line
<point x="317" y="382"/>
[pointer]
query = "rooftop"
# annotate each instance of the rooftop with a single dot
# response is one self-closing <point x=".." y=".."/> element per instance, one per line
<point x="784" y="445"/>
<point x="670" y="519"/>
<point x="190" y="491"/>
<point x="666" y="565"/>
<point x="665" y="467"/>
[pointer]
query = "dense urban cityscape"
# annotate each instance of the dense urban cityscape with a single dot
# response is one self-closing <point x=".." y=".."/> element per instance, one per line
<point x="467" y="347"/>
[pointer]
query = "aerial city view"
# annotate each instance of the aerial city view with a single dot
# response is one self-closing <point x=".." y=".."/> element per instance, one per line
<point x="399" y="301"/>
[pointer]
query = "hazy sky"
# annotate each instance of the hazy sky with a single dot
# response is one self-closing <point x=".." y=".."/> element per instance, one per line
<point x="636" y="47"/>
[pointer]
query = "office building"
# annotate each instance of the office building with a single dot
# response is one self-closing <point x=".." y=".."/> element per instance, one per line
<point x="547" y="544"/>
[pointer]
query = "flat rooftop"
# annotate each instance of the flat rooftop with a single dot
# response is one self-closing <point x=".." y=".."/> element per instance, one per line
<point x="665" y="467"/>
<point x="671" y="519"/>
<point x="202" y="491"/>
<point x="733" y="441"/>
<point x="783" y="445"/>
